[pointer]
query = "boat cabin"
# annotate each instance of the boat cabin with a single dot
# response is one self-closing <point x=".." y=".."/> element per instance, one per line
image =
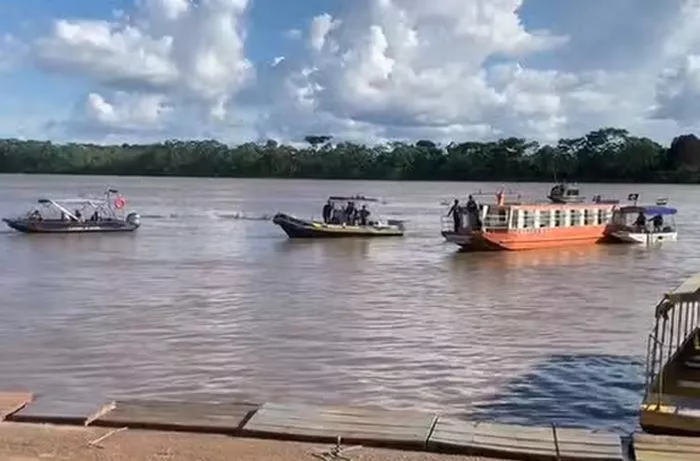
<point x="565" y="193"/>
<point x="645" y="219"/>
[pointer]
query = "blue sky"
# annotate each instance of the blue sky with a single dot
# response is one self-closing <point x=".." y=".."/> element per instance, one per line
<point x="366" y="70"/>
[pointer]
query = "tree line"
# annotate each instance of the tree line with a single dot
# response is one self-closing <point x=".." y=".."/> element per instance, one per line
<point x="608" y="154"/>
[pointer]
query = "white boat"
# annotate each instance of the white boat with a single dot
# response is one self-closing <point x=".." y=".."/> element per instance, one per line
<point x="639" y="224"/>
<point x="77" y="215"/>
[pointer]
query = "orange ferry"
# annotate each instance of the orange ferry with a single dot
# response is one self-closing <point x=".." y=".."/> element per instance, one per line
<point x="517" y="226"/>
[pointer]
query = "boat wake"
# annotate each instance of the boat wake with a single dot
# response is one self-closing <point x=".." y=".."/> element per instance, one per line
<point x="237" y="215"/>
<point x="245" y="217"/>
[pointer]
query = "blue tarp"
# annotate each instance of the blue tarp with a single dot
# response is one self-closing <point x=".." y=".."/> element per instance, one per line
<point x="650" y="210"/>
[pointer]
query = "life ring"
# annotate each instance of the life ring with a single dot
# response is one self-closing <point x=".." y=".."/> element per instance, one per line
<point x="119" y="203"/>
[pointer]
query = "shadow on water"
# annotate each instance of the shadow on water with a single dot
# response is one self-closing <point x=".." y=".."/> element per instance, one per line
<point x="592" y="391"/>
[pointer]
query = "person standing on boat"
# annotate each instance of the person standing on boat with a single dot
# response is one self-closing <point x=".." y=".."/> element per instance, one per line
<point x="364" y="214"/>
<point x="472" y="211"/>
<point x="350" y="214"/>
<point x="456" y="213"/>
<point x="641" y="221"/>
<point x="327" y="211"/>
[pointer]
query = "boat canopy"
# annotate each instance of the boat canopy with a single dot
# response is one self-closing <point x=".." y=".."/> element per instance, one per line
<point x="72" y="201"/>
<point x="650" y="210"/>
<point x="356" y="198"/>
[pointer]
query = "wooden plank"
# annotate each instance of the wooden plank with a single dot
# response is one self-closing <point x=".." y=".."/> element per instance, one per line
<point x="665" y="448"/>
<point x="11" y="402"/>
<point x="204" y="417"/>
<point x="364" y="426"/>
<point x="589" y="445"/>
<point x="452" y="435"/>
<point x="53" y="410"/>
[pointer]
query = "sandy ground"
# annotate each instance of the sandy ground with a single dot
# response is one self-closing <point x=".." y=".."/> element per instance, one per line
<point x="34" y="442"/>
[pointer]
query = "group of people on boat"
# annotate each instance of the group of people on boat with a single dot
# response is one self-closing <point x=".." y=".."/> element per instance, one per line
<point x="470" y="210"/>
<point x="349" y="215"/>
<point x="641" y="223"/>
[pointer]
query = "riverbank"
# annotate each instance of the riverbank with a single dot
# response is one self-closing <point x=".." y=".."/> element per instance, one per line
<point x="46" y="428"/>
<point x="34" y="442"/>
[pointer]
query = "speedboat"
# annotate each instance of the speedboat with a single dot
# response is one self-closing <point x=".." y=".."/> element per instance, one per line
<point x="77" y="215"/>
<point x="338" y="225"/>
<point x="642" y="224"/>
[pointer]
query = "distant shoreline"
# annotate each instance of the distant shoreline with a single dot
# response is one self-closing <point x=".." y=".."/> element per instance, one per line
<point x="608" y="155"/>
<point x="281" y="178"/>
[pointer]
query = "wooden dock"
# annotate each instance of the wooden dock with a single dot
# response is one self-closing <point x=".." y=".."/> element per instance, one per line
<point x="523" y="442"/>
<point x="666" y="448"/>
<point x="205" y="417"/>
<point x="414" y="431"/>
<point x="304" y="423"/>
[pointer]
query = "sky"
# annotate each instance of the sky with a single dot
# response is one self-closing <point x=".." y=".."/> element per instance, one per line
<point x="114" y="71"/>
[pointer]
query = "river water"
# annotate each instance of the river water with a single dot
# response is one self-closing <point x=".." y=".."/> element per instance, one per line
<point x="210" y="300"/>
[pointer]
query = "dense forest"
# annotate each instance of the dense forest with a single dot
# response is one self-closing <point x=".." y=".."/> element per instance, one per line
<point x="608" y="154"/>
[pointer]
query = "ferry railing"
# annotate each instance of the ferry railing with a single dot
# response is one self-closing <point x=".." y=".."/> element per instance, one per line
<point x="490" y="222"/>
<point x="677" y="319"/>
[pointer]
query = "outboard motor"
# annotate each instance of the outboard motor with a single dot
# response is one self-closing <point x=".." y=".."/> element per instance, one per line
<point x="133" y="219"/>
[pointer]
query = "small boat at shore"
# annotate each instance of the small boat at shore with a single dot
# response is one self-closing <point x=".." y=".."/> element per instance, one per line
<point x="642" y="224"/>
<point x="77" y="215"/>
<point x="345" y="221"/>
<point x="515" y="225"/>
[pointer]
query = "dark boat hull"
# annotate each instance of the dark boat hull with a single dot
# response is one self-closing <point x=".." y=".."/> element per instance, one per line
<point x="67" y="227"/>
<point x="297" y="228"/>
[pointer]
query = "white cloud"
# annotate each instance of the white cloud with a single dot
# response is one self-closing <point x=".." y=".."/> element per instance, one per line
<point x="293" y="34"/>
<point x="193" y="51"/>
<point x="126" y="112"/>
<point x="321" y="26"/>
<point x="380" y="69"/>
<point x="400" y="64"/>
<point x="678" y="83"/>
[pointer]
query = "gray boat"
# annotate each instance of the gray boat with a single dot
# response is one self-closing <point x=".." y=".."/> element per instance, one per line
<point x="77" y="215"/>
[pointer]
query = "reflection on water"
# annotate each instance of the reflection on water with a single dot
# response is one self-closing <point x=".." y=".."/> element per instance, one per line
<point x="207" y="299"/>
<point x="553" y="257"/>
